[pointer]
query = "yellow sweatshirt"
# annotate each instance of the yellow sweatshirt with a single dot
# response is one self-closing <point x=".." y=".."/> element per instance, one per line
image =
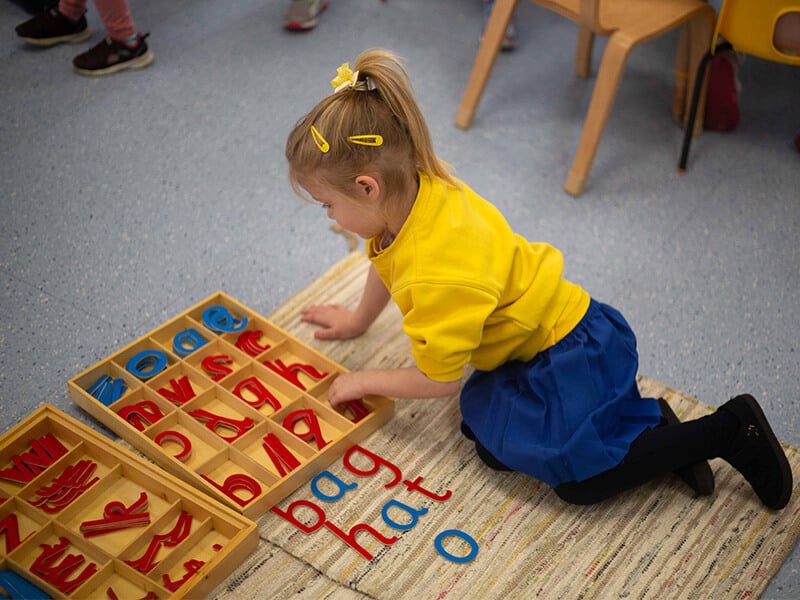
<point x="471" y="291"/>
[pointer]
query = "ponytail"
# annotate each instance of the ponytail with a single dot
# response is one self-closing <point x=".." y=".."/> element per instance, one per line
<point x="371" y="123"/>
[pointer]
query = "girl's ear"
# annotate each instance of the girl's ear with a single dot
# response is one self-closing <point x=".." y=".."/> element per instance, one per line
<point x="368" y="187"/>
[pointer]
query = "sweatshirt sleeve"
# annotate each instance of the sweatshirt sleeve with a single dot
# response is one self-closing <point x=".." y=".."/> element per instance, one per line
<point x="445" y="325"/>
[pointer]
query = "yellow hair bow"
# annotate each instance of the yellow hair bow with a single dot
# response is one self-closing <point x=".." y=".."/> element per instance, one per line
<point x="345" y="78"/>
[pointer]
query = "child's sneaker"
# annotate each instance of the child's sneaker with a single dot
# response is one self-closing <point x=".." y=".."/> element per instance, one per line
<point x="51" y="27"/>
<point x="304" y="14"/>
<point x="111" y="56"/>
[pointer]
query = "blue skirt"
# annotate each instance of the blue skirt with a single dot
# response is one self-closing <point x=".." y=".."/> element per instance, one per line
<point x="569" y="413"/>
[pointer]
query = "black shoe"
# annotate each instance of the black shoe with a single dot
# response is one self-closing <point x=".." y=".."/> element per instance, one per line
<point x="110" y="56"/>
<point x="757" y="454"/>
<point x="488" y="458"/>
<point x="467" y="432"/>
<point x="51" y="27"/>
<point x="698" y="476"/>
<point x="34" y="7"/>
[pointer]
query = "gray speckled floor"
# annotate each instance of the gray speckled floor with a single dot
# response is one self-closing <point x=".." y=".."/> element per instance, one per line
<point x="127" y="199"/>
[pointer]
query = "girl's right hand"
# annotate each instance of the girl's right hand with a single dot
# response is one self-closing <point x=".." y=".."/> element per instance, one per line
<point x="337" y="322"/>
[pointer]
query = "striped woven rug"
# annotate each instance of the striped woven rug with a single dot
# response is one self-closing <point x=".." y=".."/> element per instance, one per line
<point x="520" y="539"/>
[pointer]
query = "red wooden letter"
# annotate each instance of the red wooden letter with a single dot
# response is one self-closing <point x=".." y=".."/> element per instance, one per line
<point x="292" y="372"/>
<point x="146" y="562"/>
<point x="192" y="566"/>
<point x="357" y="409"/>
<point x="181" y="391"/>
<point x="214" y="422"/>
<point x="58" y="573"/>
<point x="281" y="456"/>
<point x="117" y="516"/>
<point x="256" y="388"/>
<point x="377" y="461"/>
<point x="142" y="414"/>
<point x="66" y="487"/>
<point x="414" y="486"/>
<point x="217" y="366"/>
<point x="350" y="537"/>
<point x="307" y="416"/>
<point x="248" y="342"/>
<point x="288" y="514"/>
<point x="234" y="483"/>
<point x="175" y="436"/>
<point x="27" y="465"/>
<point x="9" y="526"/>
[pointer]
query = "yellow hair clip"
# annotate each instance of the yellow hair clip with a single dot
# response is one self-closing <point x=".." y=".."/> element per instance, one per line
<point x="320" y="141"/>
<point x="366" y="140"/>
<point x="345" y="78"/>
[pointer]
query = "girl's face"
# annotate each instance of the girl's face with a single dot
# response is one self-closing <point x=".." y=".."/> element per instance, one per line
<point x="356" y="213"/>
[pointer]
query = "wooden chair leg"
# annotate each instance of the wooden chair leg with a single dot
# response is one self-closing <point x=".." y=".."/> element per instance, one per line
<point x="605" y="91"/>
<point x="583" y="54"/>
<point x="484" y="61"/>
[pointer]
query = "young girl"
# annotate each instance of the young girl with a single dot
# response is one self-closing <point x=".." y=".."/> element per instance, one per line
<point x="554" y="391"/>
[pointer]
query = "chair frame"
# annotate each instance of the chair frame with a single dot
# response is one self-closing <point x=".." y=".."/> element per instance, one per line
<point x="720" y="30"/>
<point x="697" y="18"/>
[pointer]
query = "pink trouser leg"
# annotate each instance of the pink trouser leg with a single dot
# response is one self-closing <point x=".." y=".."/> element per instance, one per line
<point x="115" y="15"/>
<point x="72" y="9"/>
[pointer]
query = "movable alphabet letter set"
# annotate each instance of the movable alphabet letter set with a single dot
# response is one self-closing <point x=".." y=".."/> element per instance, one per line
<point x="226" y="400"/>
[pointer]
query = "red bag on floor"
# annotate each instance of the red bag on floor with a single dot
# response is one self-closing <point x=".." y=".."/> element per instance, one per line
<point x="722" y="99"/>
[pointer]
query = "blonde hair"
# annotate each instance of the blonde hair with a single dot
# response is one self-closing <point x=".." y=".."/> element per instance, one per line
<point x="382" y="104"/>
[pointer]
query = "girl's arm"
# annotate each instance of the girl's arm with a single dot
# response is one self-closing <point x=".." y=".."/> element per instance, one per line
<point x="407" y="382"/>
<point x="341" y="323"/>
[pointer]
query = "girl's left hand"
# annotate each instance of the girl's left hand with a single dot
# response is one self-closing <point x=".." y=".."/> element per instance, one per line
<point x="337" y="322"/>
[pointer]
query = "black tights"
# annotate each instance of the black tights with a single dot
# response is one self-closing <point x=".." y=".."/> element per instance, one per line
<point x="654" y="453"/>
